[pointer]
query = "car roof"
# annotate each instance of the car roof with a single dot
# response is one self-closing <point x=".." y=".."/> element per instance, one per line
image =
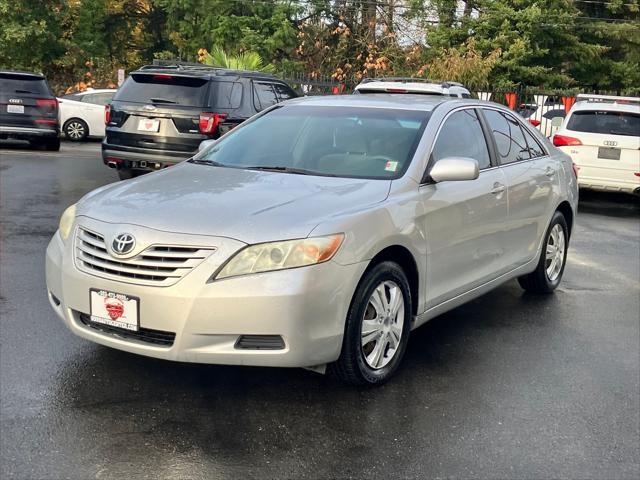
<point x="409" y="87"/>
<point x="22" y="73"/>
<point x="385" y="100"/>
<point x="587" y="105"/>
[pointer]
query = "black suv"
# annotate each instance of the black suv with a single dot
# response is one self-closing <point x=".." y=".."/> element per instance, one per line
<point x="28" y="109"/>
<point x="161" y="113"/>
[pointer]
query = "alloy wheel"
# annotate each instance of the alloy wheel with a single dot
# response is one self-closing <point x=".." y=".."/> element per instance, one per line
<point x="75" y="130"/>
<point x="382" y="325"/>
<point x="556" y="245"/>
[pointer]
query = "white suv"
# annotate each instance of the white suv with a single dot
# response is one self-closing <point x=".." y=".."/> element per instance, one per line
<point x="412" y="85"/>
<point x="602" y="135"/>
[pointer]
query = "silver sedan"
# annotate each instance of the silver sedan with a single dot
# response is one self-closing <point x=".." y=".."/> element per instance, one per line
<point x="318" y="234"/>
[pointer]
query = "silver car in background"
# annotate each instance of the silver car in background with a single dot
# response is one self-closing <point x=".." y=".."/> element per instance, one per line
<point x="317" y="234"/>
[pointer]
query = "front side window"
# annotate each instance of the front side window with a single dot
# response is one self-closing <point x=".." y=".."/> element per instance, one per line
<point x="510" y="141"/>
<point x="605" y="121"/>
<point x="461" y="136"/>
<point x="356" y="142"/>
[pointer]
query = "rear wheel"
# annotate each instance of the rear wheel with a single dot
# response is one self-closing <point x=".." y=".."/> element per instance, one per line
<point x="377" y="328"/>
<point x="547" y="275"/>
<point x="76" y="130"/>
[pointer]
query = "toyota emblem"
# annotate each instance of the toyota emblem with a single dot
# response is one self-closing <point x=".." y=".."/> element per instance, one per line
<point x="123" y="243"/>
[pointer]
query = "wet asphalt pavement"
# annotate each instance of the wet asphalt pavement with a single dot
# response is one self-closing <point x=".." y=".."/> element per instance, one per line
<point x="508" y="386"/>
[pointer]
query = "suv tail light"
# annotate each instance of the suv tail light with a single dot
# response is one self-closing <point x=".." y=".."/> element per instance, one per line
<point x="209" y="122"/>
<point x="535" y="123"/>
<point x="47" y="103"/>
<point x="564" y="141"/>
<point x="107" y="114"/>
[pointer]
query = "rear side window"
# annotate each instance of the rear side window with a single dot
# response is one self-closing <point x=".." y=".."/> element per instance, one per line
<point x="512" y="147"/>
<point x="284" y="92"/>
<point x="263" y="95"/>
<point x="607" y="122"/>
<point x="97" y="98"/>
<point x="163" y="89"/>
<point x="226" y="95"/>
<point x="462" y="136"/>
<point x="17" y="84"/>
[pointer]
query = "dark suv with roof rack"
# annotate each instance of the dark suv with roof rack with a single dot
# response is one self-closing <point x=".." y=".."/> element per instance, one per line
<point x="162" y="112"/>
<point x="28" y="109"/>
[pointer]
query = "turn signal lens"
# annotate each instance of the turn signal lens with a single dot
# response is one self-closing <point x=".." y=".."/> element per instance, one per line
<point x="107" y="114"/>
<point x="66" y="222"/>
<point x="267" y="257"/>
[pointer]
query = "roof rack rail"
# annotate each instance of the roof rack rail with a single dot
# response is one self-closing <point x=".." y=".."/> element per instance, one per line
<point x="588" y="97"/>
<point x="443" y="83"/>
<point x="179" y="65"/>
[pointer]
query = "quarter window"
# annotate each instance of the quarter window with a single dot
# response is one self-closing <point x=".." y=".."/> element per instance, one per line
<point x="263" y="96"/>
<point x="284" y="92"/>
<point x="534" y="146"/>
<point x="510" y="141"/>
<point x="462" y="136"/>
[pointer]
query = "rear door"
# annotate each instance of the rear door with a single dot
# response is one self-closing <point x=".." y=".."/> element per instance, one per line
<point x="26" y="101"/>
<point x="158" y="111"/>
<point x="609" y="153"/>
<point x="93" y="111"/>
<point x="532" y="178"/>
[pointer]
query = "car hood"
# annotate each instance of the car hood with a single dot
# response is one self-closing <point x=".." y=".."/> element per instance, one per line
<point x="250" y="206"/>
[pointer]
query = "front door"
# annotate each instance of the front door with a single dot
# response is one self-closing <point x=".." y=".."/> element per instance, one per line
<point x="463" y="221"/>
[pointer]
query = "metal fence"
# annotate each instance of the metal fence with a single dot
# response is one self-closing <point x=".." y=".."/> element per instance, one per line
<point x="538" y="106"/>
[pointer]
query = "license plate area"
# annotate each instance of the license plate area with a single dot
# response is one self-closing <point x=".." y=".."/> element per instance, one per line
<point x="609" y="153"/>
<point x="15" y="108"/>
<point x="114" y="309"/>
<point x="148" y="125"/>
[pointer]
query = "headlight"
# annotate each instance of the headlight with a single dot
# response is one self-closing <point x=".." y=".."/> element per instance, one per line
<point x="66" y="222"/>
<point x="267" y="257"/>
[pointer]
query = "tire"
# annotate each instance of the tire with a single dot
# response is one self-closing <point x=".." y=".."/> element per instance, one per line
<point x="544" y="279"/>
<point x="126" y="173"/>
<point x="377" y="360"/>
<point x="52" y="145"/>
<point x="75" y="130"/>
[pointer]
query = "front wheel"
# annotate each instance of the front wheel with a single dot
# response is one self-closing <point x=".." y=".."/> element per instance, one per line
<point x="547" y="275"/>
<point x="377" y="327"/>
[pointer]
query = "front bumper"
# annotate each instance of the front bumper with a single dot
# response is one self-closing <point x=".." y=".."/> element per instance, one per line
<point x="307" y="307"/>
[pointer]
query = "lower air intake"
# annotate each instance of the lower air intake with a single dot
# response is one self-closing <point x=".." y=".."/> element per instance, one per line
<point x="260" y="342"/>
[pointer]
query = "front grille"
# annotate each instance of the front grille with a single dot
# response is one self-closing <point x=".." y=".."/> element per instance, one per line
<point x="158" y="265"/>
<point x="146" y="335"/>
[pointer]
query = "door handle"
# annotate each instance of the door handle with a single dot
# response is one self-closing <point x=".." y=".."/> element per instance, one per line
<point x="497" y="188"/>
<point x="549" y="172"/>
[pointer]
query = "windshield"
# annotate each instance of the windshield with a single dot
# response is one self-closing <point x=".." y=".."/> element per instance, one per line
<point x="355" y="142"/>
<point x="605" y="121"/>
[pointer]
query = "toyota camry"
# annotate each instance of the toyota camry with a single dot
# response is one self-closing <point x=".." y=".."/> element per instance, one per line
<point x="318" y="234"/>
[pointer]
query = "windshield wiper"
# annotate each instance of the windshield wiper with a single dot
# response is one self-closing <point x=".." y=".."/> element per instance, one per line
<point x="161" y="100"/>
<point x="24" y="91"/>
<point x="204" y="161"/>
<point x="297" y="171"/>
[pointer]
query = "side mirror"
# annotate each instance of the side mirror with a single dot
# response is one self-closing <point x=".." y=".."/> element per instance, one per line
<point x="454" y="169"/>
<point x="557" y="122"/>
<point x="204" y="144"/>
